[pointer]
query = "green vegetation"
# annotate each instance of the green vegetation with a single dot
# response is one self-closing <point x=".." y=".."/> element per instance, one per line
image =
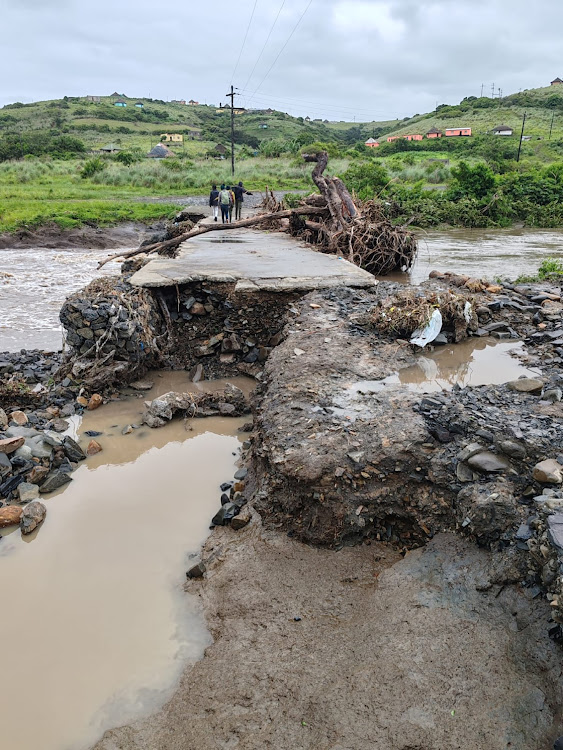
<point x="51" y="168"/>
<point x="551" y="269"/>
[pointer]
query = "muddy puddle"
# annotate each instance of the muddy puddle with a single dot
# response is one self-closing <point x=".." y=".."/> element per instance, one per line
<point x="95" y="626"/>
<point x="476" y="361"/>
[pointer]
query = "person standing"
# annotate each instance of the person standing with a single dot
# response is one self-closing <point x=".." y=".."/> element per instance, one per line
<point x="225" y="204"/>
<point x="231" y="203"/>
<point x="239" y="192"/>
<point x="214" y="201"/>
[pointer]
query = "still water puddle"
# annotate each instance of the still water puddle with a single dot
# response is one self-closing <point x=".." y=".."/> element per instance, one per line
<point x="95" y="626"/>
<point x="476" y="361"/>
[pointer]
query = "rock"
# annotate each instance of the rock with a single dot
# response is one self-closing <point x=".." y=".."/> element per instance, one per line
<point x="552" y="394"/>
<point x="127" y="430"/>
<point x="37" y="474"/>
<point x="72" y="450"/>
<point x="243" y="518"/>
<point x="95" y="401"/>
<point x="196" y="374"/>
<point x="33" y="514"/>
<point x="81" y="401"/>
<point x="5" y="465"/>
<point x="39" y="448"/>
<point x="225" y="514"/>
<point x="464" y="473"/>
<point x="512" y="448"/>
<point x="548" y="472"/>
<point x="197" y="309"/>
<point x="11" y="444"/>
<point x="555" y="530"/>
<point x="241" y="473"/>
<point x="142" y="385"/>
<point x="10" y="515"/>
<point x="197" y="570"/>
<point x="24" y="452"/>
<point x="526" y="385"/>
<point x="54" y="481"/>
<point x="19" y="418"/>
<point x="93" y="448"/>
<point x="93" y="433"/>
<point x="488" y="463"/>
<point x="59" y="425"/>
<point x="3" y="420"/>
<point x="27" y="492"/>
<point x="487" y="511"/>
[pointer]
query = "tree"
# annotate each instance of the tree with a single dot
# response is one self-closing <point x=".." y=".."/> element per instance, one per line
<point x="476" y="182"/>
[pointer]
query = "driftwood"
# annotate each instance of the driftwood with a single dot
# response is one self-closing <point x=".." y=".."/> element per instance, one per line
<point x="203" y="228"/>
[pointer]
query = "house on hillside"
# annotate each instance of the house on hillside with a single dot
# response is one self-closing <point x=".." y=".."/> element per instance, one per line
<point x="172" y="138"/>
<point x="111" y="148"/>
<point x="307" y="119"/>
<point x="194" y="134"/>
<point x="457" y="131"/>
<point x="263" y="125"/>
<point x="503" y="130"/>
<point x="193" y="103"/>
<point x="160" y="151"/>
<point x="415" y="137"/>
<point x="120" y="103"/>
<point x="372" y="143"/>
<point x="178" y="101"/>
<point x="115" y="94"/>
<point x="220" y="149"/>
<point x="556" y="82"/>
<point x="95" y="99"/>
<point x="140" y="105"/>
<point x="227" y="108"/>
<point x="434" y="133"/>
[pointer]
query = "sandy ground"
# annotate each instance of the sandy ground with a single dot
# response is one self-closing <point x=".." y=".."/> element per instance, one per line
<point x="420" y="653"/>
<point x="126" y="234"/>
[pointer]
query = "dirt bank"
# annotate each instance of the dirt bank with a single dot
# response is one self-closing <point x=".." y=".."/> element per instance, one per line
<point x="51" y="236"/>
<point x="388" y="653"/>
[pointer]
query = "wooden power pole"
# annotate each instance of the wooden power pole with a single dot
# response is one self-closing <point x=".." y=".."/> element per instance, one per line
<point x="232" y="98"/>
<point x="551" y="125"/>
<point x="521" y="136"/>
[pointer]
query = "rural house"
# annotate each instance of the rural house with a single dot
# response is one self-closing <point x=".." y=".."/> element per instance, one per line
<point x="503" y="130"/>
<point x="263" y="125"/>
<point x="415" y="137"/>
<point x="458" y="131"/>
<point x="556" y="82"/>
<point x="372" y="143"/>
<point x="193" y="103"/>
<point x="194" y="134"/>
<point x="178" y="101"/>
<point x="434" y="133"/>
<point x="95" y="99"/>
<point x="160" y="151"/>
<point x="172" y="138"/>
<point x="111" y="148"/>
<point x="220" y="149"/>
<point x="120" y="103"/>
<point x="139" y="104"/>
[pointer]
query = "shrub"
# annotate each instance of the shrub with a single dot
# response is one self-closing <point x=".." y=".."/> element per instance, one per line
<point x="92" y="167"/>
<point x="126" y="158"/>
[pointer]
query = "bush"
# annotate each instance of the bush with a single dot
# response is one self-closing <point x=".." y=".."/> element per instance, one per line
<point x="366" y="179"/>
<point x="475" y="182"/>
<point x="126" y="158"/>
<point x="92" y="167"/>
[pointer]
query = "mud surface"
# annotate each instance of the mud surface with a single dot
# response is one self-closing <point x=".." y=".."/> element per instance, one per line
<point x="319" y="650"/>
<point x="51" y="236"/>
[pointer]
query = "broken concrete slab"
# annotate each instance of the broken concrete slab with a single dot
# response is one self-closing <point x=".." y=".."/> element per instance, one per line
<point x="255" y="261"/>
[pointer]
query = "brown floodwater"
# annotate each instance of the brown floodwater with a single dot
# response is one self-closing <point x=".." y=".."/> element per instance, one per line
<point x="489" y="253"/>
<point x="95" y="626"/>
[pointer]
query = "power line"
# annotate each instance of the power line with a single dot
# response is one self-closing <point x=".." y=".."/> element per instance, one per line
<point x="301" y="17"/>
<point x="244" y="40"/>
<point x="315" y="105"/>
<point x="265" y="44"/>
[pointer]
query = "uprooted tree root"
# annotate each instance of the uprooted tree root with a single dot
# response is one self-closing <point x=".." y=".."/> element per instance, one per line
<point x="332" y="220"/>
<point x="405" y="312"/>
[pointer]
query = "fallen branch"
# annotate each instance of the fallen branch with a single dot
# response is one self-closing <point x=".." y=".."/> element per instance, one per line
<point x="203" y="228"/>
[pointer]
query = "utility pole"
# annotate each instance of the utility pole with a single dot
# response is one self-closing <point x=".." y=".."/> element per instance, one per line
<point x="551" y="126"/>
<point x="521" y="136"/>
<point x="232" y="98"/>
<point x="492" y="90"/>
<point x="482" y="85"/>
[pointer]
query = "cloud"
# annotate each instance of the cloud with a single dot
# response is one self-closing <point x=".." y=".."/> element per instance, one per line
<point x="372" y="59"/>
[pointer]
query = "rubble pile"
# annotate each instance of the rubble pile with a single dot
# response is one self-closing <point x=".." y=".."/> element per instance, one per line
<point x="228" y="402"/>
<point x="114" y="332"/>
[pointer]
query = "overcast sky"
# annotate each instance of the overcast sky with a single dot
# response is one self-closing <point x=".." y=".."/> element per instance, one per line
<point x="347" y="58"/>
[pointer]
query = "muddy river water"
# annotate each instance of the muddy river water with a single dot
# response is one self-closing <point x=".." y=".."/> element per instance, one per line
<point x="95" y="626"/>
<point x="35" y="282"/>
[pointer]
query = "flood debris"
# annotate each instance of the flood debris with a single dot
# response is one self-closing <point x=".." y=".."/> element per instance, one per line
<point x="227" y="402"/>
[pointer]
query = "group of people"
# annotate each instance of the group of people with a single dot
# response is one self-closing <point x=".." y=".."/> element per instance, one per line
<point x="226" y="199"/>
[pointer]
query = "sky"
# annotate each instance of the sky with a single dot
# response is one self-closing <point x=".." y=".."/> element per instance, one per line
<point x="348" y="60"/>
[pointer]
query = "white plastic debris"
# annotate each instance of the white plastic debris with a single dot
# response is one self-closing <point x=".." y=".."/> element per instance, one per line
<point x="467" y="311"/>
<point x="423" y="336"/>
